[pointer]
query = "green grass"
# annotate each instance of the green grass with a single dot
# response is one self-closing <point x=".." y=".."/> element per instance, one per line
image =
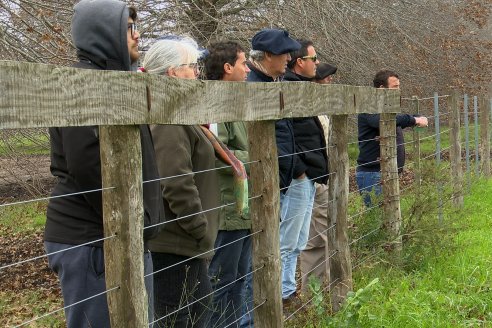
<point x="24" y="142"/>
<point x="25" y="218"/>
<point x="16" y="308"/>
<point x="444" y="282"/>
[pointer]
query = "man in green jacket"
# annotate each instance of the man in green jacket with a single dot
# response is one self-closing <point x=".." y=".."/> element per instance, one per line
<point x="227" y="62"/>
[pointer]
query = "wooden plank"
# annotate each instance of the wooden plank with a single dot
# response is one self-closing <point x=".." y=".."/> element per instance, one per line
<point x="338" y="247"/>
<point x="38" y="95"/>
<point x="484" y="136"/>
<point x="265" y="216"/>
<point x="455" y="151"/>
<point x="389" y="178"/>
<point x="121" y="162"/>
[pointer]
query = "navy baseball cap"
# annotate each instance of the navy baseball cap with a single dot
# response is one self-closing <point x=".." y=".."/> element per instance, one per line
<point x="275" y="41"/>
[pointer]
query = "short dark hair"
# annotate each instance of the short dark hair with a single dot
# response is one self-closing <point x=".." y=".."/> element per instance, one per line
<point x="299" y="53"/>
<point x="381" y="78"/>
<point x="132" y="13"/>
<point x="219" y="54"/>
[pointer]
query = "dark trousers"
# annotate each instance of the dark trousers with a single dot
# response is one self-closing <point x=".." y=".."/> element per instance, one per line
<point x="228" y="265"/>
<point x="81" y="275"/>
<point x="178" y="292"/>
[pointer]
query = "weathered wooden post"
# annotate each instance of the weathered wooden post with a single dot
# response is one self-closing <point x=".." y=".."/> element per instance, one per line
<point x="484" y="136"/>
<point x="121" y="164"/>
<point x="265" y="217"/>
<point x="416" y="145"/>
<point x="389" y="178"/>
<point x="338" y="247"/>
<point x="455" y="151"/>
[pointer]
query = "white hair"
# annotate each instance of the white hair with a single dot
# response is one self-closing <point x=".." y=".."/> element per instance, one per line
<point x="168" y="53"/>
<point x="257" y="55"/>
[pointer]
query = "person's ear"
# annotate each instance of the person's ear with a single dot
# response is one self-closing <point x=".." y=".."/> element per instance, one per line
<point x="300" y="62"/>
<point x="228" y="68"/>
<point x="171" y="72"/>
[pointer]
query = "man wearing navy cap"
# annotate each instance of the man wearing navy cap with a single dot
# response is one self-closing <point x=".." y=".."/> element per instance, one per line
<point x="270" y="53"/>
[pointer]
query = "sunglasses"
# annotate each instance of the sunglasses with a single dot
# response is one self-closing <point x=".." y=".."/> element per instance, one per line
<point x="133" y="29"/>
<point x="313" y="58"/>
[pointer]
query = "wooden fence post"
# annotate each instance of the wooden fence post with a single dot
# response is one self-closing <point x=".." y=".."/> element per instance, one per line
<point x="484" y="136"/>
<point x="121" y="167"/>
<point x="455" y="151"/>
<point x="265" y="217"/>
<point x="416" y="144"/>
<point x="389" y="178"/>
<point x="339" y="251"/>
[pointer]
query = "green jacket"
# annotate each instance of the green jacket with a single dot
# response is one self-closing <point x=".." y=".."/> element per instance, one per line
<point x="181" y="150"/>
<point x="235" y="136"/>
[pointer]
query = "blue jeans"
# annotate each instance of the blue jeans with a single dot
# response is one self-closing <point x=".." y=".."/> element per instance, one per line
<point x="294" y="230"/>
<point x="81" y="275"/>
<point x="248" y="305"/>
<point x="369" y="183"/>
<point x="229" y="263"/>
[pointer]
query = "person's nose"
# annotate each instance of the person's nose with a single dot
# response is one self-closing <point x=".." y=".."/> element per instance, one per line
<point x="136" y="35"/>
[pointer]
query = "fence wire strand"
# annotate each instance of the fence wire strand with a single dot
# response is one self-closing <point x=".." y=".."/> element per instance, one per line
<point x="58" y="196"/>
<point x="206" y="296"/>
<point x="310" y="300"/>
<point x="66" y="307"/>
<point x="199" y="255"/>
<point x="60" y="251"/>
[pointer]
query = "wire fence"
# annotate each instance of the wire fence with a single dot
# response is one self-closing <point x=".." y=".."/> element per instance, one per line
<point x="328" y="231"/>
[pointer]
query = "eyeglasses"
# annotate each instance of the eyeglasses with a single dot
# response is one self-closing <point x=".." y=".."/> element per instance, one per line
<point x="313" y="58"/>
<point x="133" y="29"/>
<point x="193" y="66"/>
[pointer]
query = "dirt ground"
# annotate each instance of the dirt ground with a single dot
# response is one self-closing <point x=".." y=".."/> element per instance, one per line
<point x="24" y="179"/>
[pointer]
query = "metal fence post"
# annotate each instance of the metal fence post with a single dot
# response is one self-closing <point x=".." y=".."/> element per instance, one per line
<point x="416" y="144"/>
<point x="467" y="140"/>
<point x="455" y="151"/>
<point x="438" y="153"/>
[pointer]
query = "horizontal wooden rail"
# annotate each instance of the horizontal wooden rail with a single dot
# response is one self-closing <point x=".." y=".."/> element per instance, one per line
<point x="38" y="95"/>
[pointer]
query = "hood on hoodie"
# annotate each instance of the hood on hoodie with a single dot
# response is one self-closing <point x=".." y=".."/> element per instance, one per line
<point x="99" y="29"/>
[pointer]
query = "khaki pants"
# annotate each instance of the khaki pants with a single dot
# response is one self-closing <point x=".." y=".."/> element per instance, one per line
<point x="313" y="256"/>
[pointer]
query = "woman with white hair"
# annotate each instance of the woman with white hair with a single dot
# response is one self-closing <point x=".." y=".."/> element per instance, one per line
<point x="181" y="249"/>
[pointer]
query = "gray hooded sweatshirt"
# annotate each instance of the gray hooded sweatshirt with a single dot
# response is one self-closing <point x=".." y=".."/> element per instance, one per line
<point x="99" y="30"/>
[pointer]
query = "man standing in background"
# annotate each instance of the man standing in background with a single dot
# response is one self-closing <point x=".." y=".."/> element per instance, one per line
<point x="313" y="259"/>
<point x="368" y="174"/>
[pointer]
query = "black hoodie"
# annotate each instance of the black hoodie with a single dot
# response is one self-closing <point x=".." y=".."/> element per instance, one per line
<point x="99" y="31"/>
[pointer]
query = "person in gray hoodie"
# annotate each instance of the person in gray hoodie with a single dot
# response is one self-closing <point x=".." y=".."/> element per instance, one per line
<point x="105" y="35"/>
